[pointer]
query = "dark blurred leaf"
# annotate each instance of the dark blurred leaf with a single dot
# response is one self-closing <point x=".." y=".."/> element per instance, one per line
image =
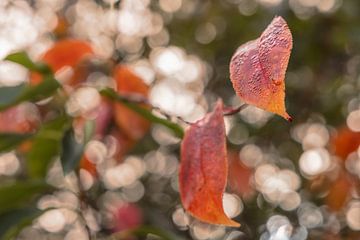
<point x="23" y="59"/>
<point x="9" y="141"/>
<point x="177" y="129"/>
<point x="11" y="96"/>
<point x="71" y="152"/>
<point x="12" y="222"/>
<point x="46" y="146"/>
<point x="16" y="193"/>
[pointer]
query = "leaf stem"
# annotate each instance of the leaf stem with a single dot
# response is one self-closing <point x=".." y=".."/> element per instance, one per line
<point x="229" y="111"/>
<point x="133" y="102"/>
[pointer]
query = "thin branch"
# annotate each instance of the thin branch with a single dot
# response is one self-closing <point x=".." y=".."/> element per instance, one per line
<point x="228" y="111"/>
<point x="133" y="102"/>
<point x="140" y="99"/>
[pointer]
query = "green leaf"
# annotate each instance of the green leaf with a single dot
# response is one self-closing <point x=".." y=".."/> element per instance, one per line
<point x="15" y="194"/>
<point x="177" y="129"/>
<point x="72" y="152"/>
<point x="12" y="222"/>
<point x="10" y="96"/>
<point x="9" y="141"/>
<point x="23" y="59"/>
<point x="89" y="130"/>
<point x="46" y="146"/>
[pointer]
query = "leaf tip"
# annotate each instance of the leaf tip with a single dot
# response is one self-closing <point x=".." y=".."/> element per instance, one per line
<point x="232" y="223"/>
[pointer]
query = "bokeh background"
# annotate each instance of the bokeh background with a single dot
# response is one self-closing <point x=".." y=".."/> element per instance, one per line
<point x="297" y="181"/>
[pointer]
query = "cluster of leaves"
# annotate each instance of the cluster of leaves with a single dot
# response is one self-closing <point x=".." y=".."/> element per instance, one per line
<point x="257" y="73"/>
<point x="58" y="134"/>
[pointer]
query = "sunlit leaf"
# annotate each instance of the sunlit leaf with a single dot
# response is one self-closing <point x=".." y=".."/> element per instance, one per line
<point x="257" y="69"/>
<point x="204" y="169"/>
<point x="15" y="194"/>
<point x="133" y="124"/>
<point x="13" y="221"/>
<point x="46" y="146"/>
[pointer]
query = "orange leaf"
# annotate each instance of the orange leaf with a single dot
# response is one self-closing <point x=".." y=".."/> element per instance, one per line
<point x="203" y="171"/>
<point x="338" y="193"/>
<point x="68" y="52"/>
<point x="88" y="166"/>
<point x="345" y="142"/>
<point x="133" y="125"/>
<point x="257" y="69"/>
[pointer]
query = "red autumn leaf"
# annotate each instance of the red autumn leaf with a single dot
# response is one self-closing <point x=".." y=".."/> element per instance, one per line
<point x="23" y="118"/>
<point x="133" y="125"/>
<point x="88" y="166"/>
<point x="68" y="52"/>
<point x="127" y="216"/>
<point x="204" y="169"/>
<point x="345" y="142"/>
<point x="257" y="69"/>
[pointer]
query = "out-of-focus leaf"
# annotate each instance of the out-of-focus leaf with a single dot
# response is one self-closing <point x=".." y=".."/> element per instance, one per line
<point x="17" y="193"/>
<point x="12" y="222"/>
<point x="143" y="231"/>
<point x="22" y="118"/>
<point x="67" y="52"/>
<point x="23" y="59"/>
<point x="9" y="141"/>
<point x="46" y="146"/>
<point x="345" y="142"/>
<point x="129" y="121"/>
<point x="204" y="169"/>
<point x="89" y="130"/>
<point x="239" y="176"/>
<point x="257" y="69"/>
<point x="339" y="193"/>
<point x="11" y="96"/>
<point x="71" y="152"/>
<point x="146" y="113"/>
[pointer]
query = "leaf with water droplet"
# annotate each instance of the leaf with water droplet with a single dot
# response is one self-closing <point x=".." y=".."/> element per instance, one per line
<point x="257" y="69"/>
<point x="204" y="169"/>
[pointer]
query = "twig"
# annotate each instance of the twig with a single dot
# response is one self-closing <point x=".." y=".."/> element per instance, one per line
<point x="84" y="204"/>
<point x="140" y="99"/>
<point x="133" y="102"/>
<point x="228" y="111"/>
